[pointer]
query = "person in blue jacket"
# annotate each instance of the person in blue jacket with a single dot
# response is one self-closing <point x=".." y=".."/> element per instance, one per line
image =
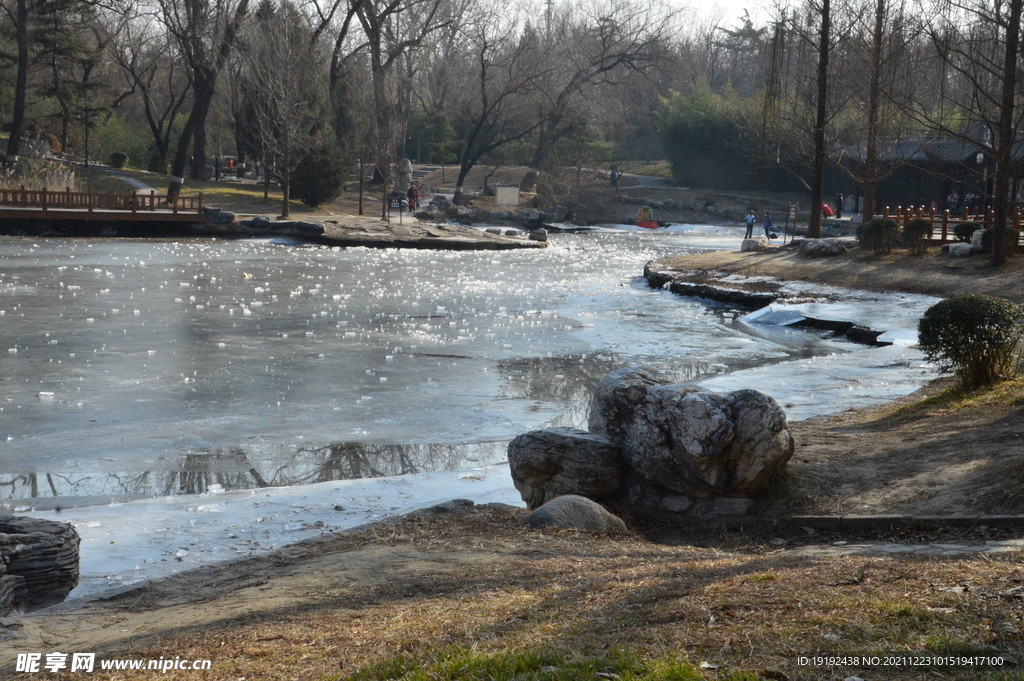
<point x="768" y="225"/>
<point x="750" y="224"/>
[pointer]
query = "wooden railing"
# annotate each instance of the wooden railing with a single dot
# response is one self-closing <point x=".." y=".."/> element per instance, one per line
<point x="943" y="223"/>
<point x="48" y="199"/>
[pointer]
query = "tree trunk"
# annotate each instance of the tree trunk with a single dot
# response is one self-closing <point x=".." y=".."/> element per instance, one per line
<point x="384" y="119"/>
<point x="21" y="85"/>
<point x="1004" y="156"/>
<point x="286" y="177"/>
<point x="868" y="205"/>
<point x="199" y="149"/>
<point x="545" y="139"/>
<point x="874" y="104"/>
<point x="818" y="177"/>
<point x="202" y="94"/>
<point x="463" y="172"/>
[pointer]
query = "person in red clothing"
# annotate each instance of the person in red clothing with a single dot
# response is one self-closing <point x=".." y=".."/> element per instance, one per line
<point x="414" y="197"/>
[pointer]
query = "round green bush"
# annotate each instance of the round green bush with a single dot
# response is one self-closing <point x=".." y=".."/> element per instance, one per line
<point x="881" y="235"/>
<point x="1012" y="238"/>
<point x="118" y="159"/>
<point x="915" y="234"/>
<point x="319" y="177"/>
<point x="974" y="337"/>
<point x="963" y="231"/>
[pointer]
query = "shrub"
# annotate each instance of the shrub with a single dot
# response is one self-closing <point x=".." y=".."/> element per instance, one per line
<point x="1012" y="238"/>
<point x="915" y="233"/>
<point x="973" y="337"/>
<point x="158" y="165"/>
<point x="319" y="177"/>
<point x="118" y="159"/>
<point x="963" y="231"/>
<point x="881" y="235"/>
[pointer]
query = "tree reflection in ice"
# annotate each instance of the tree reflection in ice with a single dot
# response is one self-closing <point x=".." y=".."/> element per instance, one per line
<point x="234" y="468"/>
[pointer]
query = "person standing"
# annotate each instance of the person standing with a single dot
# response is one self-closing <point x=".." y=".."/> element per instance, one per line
<point x="750" y="224"/>
<point x="413" y="195"/>
<point x="768" y="225"/>
<point x="953" y="202"/>
<point x="839" y="205"/>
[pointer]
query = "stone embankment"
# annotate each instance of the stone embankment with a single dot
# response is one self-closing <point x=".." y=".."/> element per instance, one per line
<point x="352" y="231"/>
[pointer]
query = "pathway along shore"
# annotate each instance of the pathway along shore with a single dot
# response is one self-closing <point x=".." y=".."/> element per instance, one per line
<point x="931" y="274"/>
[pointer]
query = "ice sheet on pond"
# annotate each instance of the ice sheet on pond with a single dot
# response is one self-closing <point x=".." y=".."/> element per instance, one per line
<point x="159" y="360"/>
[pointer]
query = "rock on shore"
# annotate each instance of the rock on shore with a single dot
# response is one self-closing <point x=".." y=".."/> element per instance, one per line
<point x="652" y="445"/>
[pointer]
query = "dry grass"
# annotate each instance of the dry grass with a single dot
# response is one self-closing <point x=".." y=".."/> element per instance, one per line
<point x="654" y="168"/>
<point x="950" y="398"/>
<point x="247" y="197"/>
<point x="573" y="599"/>
<point x="37" y="174"/>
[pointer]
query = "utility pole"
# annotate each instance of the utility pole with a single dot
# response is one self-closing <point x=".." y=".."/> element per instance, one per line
<point x="86" y="114"/>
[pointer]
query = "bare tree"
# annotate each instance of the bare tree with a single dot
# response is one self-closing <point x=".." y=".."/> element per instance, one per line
<point x="392" y="28"/>
<point x="603" y="43"/>
<point x="877" y="71"/>
<point x="148" y="66"/>
<point x="824" y="10"/>
<point x="286" y="87"/>
<point x="205" y="33"/>
<point x="500" y="71"/>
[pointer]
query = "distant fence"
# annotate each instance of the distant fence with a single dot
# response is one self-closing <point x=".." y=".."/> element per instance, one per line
<point x="944" y="223"/>
<point x="49" y="199"/>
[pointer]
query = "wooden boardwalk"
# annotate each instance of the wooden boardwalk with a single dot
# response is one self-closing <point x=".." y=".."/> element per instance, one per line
<point x="48" y="204"/>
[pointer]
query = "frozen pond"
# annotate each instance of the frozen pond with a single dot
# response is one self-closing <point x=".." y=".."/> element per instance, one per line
<point x="134" y="368"/>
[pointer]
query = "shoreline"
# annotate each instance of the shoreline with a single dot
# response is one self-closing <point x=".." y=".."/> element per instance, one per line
<point x="343" y="232"/>
<point x="932" y="274"/>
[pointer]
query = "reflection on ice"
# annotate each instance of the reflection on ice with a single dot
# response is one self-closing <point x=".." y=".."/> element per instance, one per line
<point x="233" y="469"/>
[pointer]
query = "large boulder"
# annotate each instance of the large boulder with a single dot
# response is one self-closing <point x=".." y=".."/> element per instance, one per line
<point x="616" y="398"/>
<point x="689" y="441"/>
<point x="558" y="461"/>
<point x="958" y="250"/>
<point x="761" y="445"/>
<point x="758" y="243"/>
<point x="573" y="512"/>
<point x="821" y="248"/>
<point x="38" y="563"/>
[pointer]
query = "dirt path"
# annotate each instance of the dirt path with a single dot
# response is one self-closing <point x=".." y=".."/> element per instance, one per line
<point x="898" y="460"/>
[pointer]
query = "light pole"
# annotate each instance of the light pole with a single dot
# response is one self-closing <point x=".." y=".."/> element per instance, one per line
<point x="86" y="114"/>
